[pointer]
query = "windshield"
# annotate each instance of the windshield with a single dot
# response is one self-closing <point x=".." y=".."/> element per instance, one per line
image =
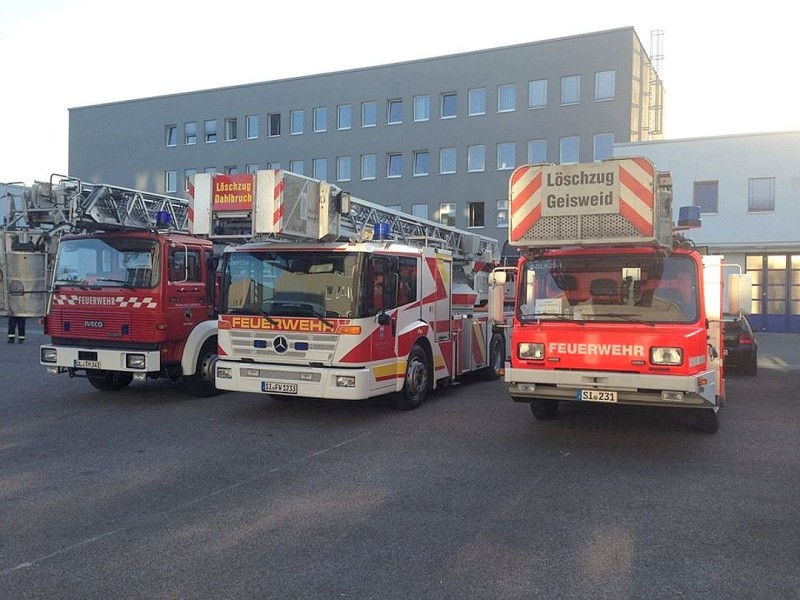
<point x="292" y="283"/>
<point x="108" y="262"/>
<point x="646" y="288"/>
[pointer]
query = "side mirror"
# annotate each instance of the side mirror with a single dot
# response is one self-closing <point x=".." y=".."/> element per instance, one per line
<point x="384" y="318"/>
<point x="497" y="278"/>
<point x="740" y="294"/>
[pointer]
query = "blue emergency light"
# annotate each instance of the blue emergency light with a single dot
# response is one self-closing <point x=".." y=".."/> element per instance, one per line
<point x="163" y="219"/>
<point x="381" y="231"/>
<point x="689" y="216"/>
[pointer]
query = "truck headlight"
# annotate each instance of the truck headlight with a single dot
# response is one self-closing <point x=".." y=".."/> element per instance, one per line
<point x="666" y="356"/>
<point x="530" y="351"/>
<point x="347" y="381"/>
<point x="224" y="373"/>
<point x="49" y="355"/>
<point x="135" y="361"/>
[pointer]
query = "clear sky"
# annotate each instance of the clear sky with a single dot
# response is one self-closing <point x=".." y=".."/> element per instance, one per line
<point x="727" y="67"/>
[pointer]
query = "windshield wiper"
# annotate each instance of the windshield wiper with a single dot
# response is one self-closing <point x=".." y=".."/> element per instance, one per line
<point x="552" y="316"/>
<point x="322" y="318"/>
<point x="624" y="317"/>
<point x="121" y="282"/>
<point x="251" y="310"/>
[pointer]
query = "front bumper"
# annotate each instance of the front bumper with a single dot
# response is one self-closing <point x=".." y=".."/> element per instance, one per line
<point x="102" y="359"/>
<point x="700" y="390"/>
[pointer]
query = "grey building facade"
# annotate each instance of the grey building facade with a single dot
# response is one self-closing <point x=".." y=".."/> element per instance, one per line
<point x="437" y="137"/>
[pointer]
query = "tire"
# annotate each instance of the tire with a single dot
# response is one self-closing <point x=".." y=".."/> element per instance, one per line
<point x="706" y="420"/>
<point x="544" y="410"/>
<point x="109" y="381"/>
<point x="417" y="380"/>
<point x="752" y="367"/>
<point x="497" y="359"/>
<point x="201" y="383"/>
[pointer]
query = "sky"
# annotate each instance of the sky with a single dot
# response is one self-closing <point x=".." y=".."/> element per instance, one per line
<point x="725" y="70"/>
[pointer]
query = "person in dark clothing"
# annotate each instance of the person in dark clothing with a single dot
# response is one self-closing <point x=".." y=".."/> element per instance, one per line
<point x="16" y="328"/>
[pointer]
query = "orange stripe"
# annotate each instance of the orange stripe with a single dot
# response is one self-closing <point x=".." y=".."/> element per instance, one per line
<point x="644" y="226"/>
<point x="276" y="217"/>
<point x="526" y="223"/>
<point x="640" y="190"/>
<point x="519" y="199"/>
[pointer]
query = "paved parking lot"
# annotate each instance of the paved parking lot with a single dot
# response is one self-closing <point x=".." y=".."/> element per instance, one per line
<point x="149" y="493"/>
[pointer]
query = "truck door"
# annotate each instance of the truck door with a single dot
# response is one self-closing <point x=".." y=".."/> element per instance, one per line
<point x="382" y="274"/>
<point x="187" y="302"/>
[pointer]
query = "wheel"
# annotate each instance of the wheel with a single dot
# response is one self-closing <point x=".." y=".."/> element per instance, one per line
<point x="201" y="383"/>
<point x="706" y="420"/>
<point x="415" y="386"/>
<point x="752" y="367"/>
<point x="544" y="410"/>
<point x="497" y="358"/>
<point x="109" y="381"/>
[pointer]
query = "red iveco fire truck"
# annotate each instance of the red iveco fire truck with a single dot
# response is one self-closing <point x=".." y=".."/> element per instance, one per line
<point x="340" y="298"/>
<point x="132" y="294"/>
<point x="614" y="305"/>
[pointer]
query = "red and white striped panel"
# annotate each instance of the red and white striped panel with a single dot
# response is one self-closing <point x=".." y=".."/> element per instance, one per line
<point x="636" y="194"/>
<point x="525" y="200"/>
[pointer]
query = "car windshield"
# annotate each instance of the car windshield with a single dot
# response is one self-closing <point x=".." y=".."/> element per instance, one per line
<point x="640" y="288"/>
<point x="108" y="262"/>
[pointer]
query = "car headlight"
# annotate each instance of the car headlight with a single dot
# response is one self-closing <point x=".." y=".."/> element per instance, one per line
<point x="530" y="351"/>
<point x="135" y="361"/>
<point x="49" y="355"/>
<point x="666" y="356"/>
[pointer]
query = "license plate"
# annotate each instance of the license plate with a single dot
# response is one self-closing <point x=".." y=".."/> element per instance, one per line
<point x="86" y="364"/>
<point x="597" y="395"/>
<point x="279" y="388"/>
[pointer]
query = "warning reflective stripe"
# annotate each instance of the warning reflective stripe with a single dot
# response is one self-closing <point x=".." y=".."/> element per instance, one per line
<point x="118" y="301"/>
<point x="636" y="197"/>
<point x="277" y="197"/>
<point x="526" y="200"/>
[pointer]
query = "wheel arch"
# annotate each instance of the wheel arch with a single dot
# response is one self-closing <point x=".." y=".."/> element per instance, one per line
<point x="201" y="334"/>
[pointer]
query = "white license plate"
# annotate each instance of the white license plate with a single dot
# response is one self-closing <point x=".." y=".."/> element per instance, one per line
<point x="86" y="364"/>
<point x="279" y="388"/>
<point x="597" y="395"/>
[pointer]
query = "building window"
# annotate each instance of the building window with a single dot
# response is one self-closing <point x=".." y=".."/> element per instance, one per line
<point x="420" y="211"/>
<point x="210" y="170"/>
<point x="188" y="178"/>
<point x="422" y="108"/>
<point x="394" y="112"/>
<point x="210" y="131"/>
<point x="571" y="89"/>
<point x="396" y="207"/>
<point x="231" y="170"/>
<point x="368" y="162"/>
<point x="537" y="152"/>
<point x="251" y="125"/>
<point x="171" y="135"/>
<point x="449" y="105"/>
<point x="369" y="114"/>
<point x="296" y="166"/>
<point x="421" y="160"/>
<point x="190" y="133"/>
<point x="761" y="194"/>
<point x="502" y="213"/>
<point x="320" y="120"/>
<point x="231" y="129"/>
<point x="604" y="85"/>
<point x="476" y="158"/>
<point x="274" y="124"/>
<point x="506" y="97"/>
<point x="296" y="122"/>
<point x="447" y="214"/>
<point x="344" y="116"/>
<point x="477" y="102"/>
<point x="537" y="93"/>
<point x="603" y="144"/>
<point x="273" y="166"/>
<point x="506" y="155"/>
<point x="706" y="196"/>
<point x="570" y="150"/>
<point x="394" y="164"/>
<point x="447" y="160"/>
<point x="171" y="182"/>
<point x="319" y="168"/>
<point x="251" y="168"/>
<point x="343" y="168"/>
<point x="476" y="214"/>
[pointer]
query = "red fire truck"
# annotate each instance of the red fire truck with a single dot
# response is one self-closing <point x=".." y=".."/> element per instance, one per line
<point x="614" y="305"/>
<point x="132" y="294"/>
<point x="340" y="298"/>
